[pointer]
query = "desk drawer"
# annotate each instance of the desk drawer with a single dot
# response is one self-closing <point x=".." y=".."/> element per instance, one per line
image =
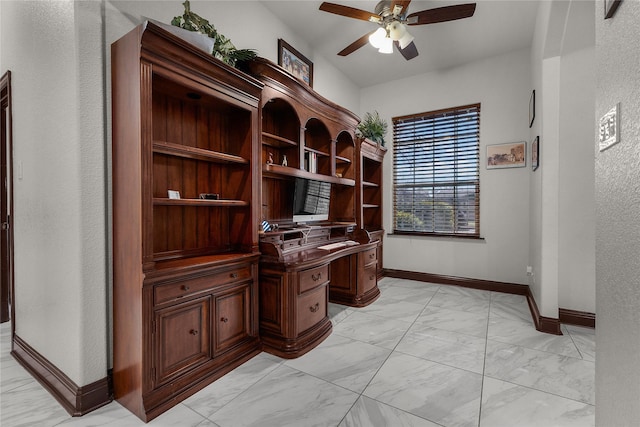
<point x="312" y="308"/>
<point x="288" y="244"/>
<point x="175" y="291"/>
<point x="312" y="278"/>
<point x="368" y="257"/>
<point x="368" y="279"/>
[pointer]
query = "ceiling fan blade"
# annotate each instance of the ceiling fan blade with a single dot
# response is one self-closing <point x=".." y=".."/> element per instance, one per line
<point x="355" y="45"/>
<point x="409" y="52"/>
<point x="403" y="4"/>
<point x="442" y="14"/>
<point x="349" y="12"/>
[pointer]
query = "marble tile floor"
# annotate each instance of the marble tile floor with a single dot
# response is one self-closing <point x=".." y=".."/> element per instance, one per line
<point x="421" y="355"/>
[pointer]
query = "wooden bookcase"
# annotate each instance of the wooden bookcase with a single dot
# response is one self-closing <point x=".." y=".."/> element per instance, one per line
<point x="369" y="186"/>
<point x="185" y="293"/>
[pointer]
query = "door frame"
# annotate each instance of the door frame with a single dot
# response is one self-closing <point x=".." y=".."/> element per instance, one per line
<point x="6" y="148"/>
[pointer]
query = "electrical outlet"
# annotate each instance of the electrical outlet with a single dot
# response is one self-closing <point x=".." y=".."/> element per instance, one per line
<point x="529" y="270"/>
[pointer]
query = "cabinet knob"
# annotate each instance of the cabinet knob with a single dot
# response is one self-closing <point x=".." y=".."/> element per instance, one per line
<point x="224" y="319"/>
<point x="234" y="275"/>
<point x="194" y="332"/>
<point x="372" y="256"/>
<point x="316" y="277"/>
<point x="314" y="308"/>
<point x="185" y="287"/>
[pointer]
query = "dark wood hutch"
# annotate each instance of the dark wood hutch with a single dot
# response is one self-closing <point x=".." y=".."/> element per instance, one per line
<point x="198" y="289"/>
<point x="297" y="276"/>
<point x="185" y="292"/>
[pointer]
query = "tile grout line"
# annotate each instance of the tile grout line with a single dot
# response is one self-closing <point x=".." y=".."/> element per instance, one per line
<point x="574" y="342"/>
<point x="541" y="391"/>
<point x="484" y="361"/>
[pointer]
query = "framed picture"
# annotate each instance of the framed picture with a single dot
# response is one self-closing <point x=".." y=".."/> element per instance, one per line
<point x="294" y="62"/>
<point x="535" y="153"/>
<point x="610" y="7"/>
<point x="510" y="155"/>
<point x="532" y="108"/>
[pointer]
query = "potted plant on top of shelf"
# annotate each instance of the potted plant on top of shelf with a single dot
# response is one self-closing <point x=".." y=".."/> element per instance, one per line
<point x="223" y="49"/>
<point x="372" y="127"/>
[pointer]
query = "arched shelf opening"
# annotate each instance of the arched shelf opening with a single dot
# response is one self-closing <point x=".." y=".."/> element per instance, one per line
<point x="280" y="133"/>
<point x="317" y="148"/>
<point x="345" y="156"/>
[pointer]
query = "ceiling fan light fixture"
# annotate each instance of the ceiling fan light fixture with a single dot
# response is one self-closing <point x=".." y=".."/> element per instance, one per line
<point x="396" y="30"/>
<point x="405" y="40"/>
<point x="387" y="46"/>
<point x="393" y="18"/>
<point x="377" y="38"/>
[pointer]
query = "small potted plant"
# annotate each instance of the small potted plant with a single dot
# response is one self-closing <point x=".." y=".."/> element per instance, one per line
<point x="223" y="49"/>
<point x="372" y="127"/>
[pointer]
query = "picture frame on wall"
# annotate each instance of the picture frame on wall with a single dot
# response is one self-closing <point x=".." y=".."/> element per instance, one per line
<point x="532" y="108"/>
<point x="295" y="63"/>
<point x="535" y="153"/>
<point x="610" y="7"/>
<point x="509" y="155"/>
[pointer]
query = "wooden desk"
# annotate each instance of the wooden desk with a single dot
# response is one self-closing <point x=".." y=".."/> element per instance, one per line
<point x="298" y="279"/>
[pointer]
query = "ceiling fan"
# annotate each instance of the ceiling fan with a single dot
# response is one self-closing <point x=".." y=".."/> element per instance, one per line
<point x="392" y="18"/>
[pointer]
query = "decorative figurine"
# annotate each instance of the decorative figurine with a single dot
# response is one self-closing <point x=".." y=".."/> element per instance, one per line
<point x="270" y="159"/>
<point x="284" y="160"/>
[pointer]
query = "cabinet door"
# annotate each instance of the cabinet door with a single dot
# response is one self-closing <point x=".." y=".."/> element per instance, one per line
<point x="343" y="275"/>
<point x="182" y="338"/>
<point x="232" y="317"/>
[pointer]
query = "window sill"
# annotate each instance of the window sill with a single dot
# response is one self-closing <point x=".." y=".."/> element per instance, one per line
<point x="437" y="236"/>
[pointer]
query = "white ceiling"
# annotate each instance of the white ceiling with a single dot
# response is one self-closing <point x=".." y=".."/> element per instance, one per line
<point x="498" y="26"/>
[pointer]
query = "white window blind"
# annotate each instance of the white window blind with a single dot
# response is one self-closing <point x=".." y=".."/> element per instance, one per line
<point x="436" y="172"/>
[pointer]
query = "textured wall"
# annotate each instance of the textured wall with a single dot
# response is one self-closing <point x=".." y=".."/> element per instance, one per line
<point x="59" y="203"/>
<point x="618" y="221"/>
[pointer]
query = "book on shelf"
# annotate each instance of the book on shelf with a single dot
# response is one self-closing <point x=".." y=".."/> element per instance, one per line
<point x="311" y="162"/>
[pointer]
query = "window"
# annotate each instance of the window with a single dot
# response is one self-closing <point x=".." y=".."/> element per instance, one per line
<point x="436" y="163"/>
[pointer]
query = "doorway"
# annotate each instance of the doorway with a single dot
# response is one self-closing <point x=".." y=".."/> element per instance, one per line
<point x="6" y="203"/>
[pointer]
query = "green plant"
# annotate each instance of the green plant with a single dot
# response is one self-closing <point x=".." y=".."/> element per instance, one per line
<point x="408" y="221"/>
<point x="372" y="127"/>
<point x="223" y="49"/>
